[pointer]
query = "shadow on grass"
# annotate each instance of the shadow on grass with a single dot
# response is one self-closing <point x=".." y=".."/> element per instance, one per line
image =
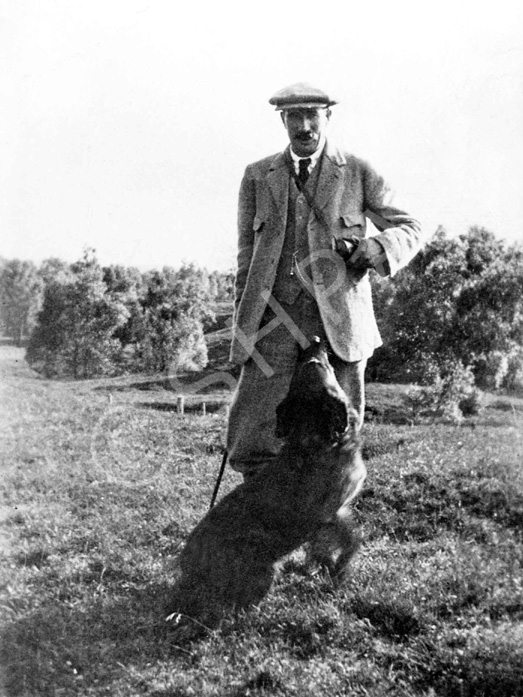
<point x="68" y="646"/>
<point x="263" y="683"/>
<point x="67" y="643"/>
<point x="395" y="415"/>
<point x="420" y="506"/>
<point x="395" y="620"/>
<point x="490" y="669"/>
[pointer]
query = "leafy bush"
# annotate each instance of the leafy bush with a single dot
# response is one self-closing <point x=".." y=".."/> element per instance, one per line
<point x="460" y="299"/>
<point x="20" y="297"/>
<point x="74" y="335"/>
<point x="449" y="391"/>
<point x="513" y="380"/>
<point x="473" y="403"/>
<point x="102" y="321"/>
<point x="492" y="369"/>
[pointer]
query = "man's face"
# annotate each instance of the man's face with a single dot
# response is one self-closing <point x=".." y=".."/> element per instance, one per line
<point x="305" y="128"/>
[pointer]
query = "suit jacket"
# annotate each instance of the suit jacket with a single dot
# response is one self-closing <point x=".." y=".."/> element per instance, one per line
<point x="348" y="190"/>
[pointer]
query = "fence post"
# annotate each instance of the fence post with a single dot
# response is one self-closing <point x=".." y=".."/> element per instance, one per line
<point x="180" y="405"/>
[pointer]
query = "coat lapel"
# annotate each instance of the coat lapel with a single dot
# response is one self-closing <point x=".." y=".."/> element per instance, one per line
<point x="330" y="172"/>
<point x="278" y="181"/>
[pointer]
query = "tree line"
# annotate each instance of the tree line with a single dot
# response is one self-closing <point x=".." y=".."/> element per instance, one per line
<point x="453" y="316"/>
<point x="83" y="320"/>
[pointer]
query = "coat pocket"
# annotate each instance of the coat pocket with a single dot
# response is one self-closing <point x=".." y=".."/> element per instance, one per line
<point x="349" y="224"/>
<point x="352" y="220"/>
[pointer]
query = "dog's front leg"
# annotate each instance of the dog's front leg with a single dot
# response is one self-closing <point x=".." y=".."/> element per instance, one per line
<point x="334" y="545"/>
<point x="350" y="538"/>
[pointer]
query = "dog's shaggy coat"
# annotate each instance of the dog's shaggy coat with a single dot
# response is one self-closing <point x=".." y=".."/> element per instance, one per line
<point x="301" y="496"/>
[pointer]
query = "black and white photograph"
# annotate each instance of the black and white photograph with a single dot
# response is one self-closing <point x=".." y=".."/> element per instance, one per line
<point x="261" y="348"/>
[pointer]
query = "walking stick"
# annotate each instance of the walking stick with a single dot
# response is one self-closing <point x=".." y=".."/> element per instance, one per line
<point x="219" y="479"/>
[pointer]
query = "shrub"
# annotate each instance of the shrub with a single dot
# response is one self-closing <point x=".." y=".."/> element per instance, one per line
<point x="473" y="403"/>
<point x="492" y="369"/>
<point x="513" y="379"/>
<point x="449" y="391"/>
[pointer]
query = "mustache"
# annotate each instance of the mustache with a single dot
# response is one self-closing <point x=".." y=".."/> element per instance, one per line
<point x="305" y="135"/>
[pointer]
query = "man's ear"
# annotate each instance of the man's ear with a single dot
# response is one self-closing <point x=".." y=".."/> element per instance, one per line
<point x="328" y="113"/>
<point x="282" y="116"/>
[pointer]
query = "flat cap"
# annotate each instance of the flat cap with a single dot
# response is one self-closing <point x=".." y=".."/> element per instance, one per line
<point x="301" y="95"/>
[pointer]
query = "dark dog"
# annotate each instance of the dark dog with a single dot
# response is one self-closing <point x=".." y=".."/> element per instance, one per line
<point x="301" y="496"/>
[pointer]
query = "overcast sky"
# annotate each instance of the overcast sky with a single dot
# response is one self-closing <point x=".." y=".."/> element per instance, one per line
<point x="125" y="125"/>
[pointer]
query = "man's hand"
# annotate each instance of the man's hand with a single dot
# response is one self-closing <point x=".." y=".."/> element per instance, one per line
<point x="362" y="254"/>
<point x="367" y="254"/>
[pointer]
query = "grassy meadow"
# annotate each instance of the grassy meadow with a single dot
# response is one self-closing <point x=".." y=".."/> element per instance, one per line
<point x="102" y="480"/>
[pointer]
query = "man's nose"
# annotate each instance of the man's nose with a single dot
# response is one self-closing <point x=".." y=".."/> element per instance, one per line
<point x="305" y="124"/>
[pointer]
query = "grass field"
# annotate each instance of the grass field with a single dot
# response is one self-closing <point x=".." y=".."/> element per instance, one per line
<point x="101" y="482"/>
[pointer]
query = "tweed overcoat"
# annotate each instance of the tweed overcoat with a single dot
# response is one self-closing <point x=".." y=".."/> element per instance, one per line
<point x="348" y="192"/>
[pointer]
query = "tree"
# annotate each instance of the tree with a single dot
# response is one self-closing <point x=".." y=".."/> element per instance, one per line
<point x="76" y="326"/>
<point x="126" y="285"/>
<point x="21" y="294"/>
<point x="222" y="286"/>
<point x="54" y="269"/>
<point x="460" y="301"/>
<point x="97" y="321"/>
<point x="176" y="308"/>
<point x="488" y="332"/>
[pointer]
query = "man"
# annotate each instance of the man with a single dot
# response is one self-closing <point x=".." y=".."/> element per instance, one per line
<point x="303" y="269"/>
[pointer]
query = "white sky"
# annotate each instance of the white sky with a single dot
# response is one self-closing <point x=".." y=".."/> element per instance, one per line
<point x="125" y="125"/>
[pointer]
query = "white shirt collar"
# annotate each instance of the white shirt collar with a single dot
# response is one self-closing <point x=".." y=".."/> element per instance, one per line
<point x="313" y="158"/>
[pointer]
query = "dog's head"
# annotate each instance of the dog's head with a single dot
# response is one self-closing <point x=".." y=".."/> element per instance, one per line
<point x="316" y="409"/>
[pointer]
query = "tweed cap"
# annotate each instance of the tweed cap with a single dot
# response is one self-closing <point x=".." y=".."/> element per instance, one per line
<point x="301" y="95"/>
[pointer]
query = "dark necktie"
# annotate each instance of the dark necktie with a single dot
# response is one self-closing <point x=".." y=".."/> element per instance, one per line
<point x="303" y="174"/>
